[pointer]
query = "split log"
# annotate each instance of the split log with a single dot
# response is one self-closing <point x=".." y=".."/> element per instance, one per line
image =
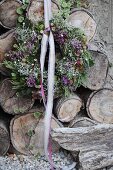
<point x="6" y="43"/>
<point x="36" y="10"/>
<point x="10" y="102"/>
<point x="67" y="108"/>
<point x="82" y="19"/>
<point x="8" y="14"/>
<point x="4" y="138"/>
<point x="100" y="105"/>
<point x="27" y="133"/>
<point x="96" y="75"/>
<point x="94" y="144"/>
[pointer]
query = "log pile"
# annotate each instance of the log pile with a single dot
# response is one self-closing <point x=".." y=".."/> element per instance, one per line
<point x="91" y="135"/>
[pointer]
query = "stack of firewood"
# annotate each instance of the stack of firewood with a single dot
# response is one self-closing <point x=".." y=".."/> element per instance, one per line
<point x="95" y="103"/>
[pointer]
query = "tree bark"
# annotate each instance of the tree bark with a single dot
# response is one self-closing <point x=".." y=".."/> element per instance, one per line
<point x="27" y="133"/>
<point x="8" y="15"/>
<point x="4" y="138"/>
<point x="6" y="43"/>
<point x="10" y="102"/>
<point x="99" y="105"/>
<point x="94" y="144"/>
<point x="66" y="109"/>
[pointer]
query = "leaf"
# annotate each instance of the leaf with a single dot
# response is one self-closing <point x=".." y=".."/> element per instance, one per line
<point x="19" y="11"/>
<point x="24" y="6"/>
<point x="13" y="74"/>
<point x="25" y="1"/>
<point x="37" y="115"/>
<point x="91" y="63"/>
<point x="20" y="19"/>
<point x="30" y="133"/>
<point x="15" y="46"/>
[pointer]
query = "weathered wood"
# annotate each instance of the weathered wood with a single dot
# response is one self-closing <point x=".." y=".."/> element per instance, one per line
<point x="96" y="75"/>
<point x="6" y="43"/>
<point x="4" y="138"/>
<point x="10" y="102"/>
<point x="100" y="105"/>
<point x="8" y="14"/>
<point x="27" y="133"/>
<point x="82" y="122"/>
<point x="94" y="144"/>
<point x="81" y="18"/>
<point x="67" y="108"/>
<point x="36" y="10"/>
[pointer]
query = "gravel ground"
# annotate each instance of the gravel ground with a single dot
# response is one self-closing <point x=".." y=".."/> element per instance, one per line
<point x="21" y="162"/>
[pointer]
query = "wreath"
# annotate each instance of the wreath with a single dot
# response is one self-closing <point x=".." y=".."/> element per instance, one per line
<point x="23" y="60"/>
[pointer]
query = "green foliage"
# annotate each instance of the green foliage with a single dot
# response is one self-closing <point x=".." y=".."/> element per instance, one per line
<point x="37" y="115"/>
<point x="37" y="156"/>
<point x="21" y="11"/>
<point x="30" y="133"/>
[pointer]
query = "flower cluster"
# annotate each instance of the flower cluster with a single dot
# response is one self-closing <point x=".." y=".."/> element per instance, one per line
<point x="31" y="81"/>
<point x="23" y="59"/>
<point x="60" y="37"/>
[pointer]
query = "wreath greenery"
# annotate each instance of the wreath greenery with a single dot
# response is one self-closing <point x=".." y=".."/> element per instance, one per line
<point x="23" y="59"/>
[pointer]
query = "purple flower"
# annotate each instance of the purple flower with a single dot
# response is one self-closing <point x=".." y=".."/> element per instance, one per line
<point x="30" y="47"/>
<point x="65" y="80"/>
<point x="31" y="81"/>
<point x="76" y="44"/>
<point x="34" y="37"/>
<point x="15" y="55"/>
<point x="60" y="37"/>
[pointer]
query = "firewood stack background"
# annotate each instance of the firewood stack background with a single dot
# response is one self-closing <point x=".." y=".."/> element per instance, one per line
<point x="89" y="110"/>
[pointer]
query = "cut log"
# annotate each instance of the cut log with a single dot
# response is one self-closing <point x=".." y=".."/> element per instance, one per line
<point x="10" y="102"/>
<point x="100" y="106"/>
<point x="8" y="14"/>
<point x="66" y="109"/>
<point x="6" y="43"/>
<point x="82" y="122"/>
<point x="81" y="18"/>
<point x="27" y="133"/>
<point x="36" y="10"/>
<point x="96" y="75"/>
<point x="4" y="138"/>
<point x="94" y="144"/>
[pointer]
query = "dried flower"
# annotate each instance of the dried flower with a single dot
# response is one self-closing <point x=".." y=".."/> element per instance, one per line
<point x="65" y="80"/>
<point x="31" y="81"/>
<point x="60" y="37"/>
<point x="76" y="44"/>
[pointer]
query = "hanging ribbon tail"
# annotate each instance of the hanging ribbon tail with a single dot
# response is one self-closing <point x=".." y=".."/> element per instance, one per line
<point x="49" y="106"/>
<point x="44" y="45"/>
<point x="43" y="94"/>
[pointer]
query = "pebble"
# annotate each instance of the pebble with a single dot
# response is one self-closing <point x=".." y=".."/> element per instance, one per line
<point x="22" y="162"/>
